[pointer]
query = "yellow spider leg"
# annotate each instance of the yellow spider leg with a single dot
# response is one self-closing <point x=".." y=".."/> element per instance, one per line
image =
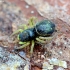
<point x="24" y="26"/>
<point x="31" y="21"/>
<point x="32" y="47"/>
<point x="24" y="45"/>
<point x="45" y="38"/>
<point x="22" y="42"/>
<point x="40" y="40"/>
<point x="20" y="30"/>
<point x="48" y="38"/>
<point x="17" y="31"/>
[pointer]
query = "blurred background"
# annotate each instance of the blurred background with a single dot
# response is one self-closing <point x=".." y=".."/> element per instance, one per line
<point x="16" y="12"/>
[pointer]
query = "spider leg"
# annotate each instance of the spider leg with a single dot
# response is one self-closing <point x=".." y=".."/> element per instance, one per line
<point x="44" y="39"/>
<point x="23" y="26"/>
<point x="48" y="38"/>
<point x="40" y="40"/>
<point x="32" y="47"/>
<point x="31" y="22"/>
<point x="17" y="31"/>
<point x="25" y="44"/>
<point x="22" y="43"/>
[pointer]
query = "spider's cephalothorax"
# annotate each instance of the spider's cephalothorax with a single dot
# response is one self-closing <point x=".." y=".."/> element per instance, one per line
<point x="27" y="35"/>
<point x="38" y="32"/>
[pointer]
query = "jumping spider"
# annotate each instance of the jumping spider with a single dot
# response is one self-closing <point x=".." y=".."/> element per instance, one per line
<point x="33" y="33"/>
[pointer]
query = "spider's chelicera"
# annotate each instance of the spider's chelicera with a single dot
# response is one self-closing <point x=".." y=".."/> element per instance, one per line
<point x="34" y="33"/>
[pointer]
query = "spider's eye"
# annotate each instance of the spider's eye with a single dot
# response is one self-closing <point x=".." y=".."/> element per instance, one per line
<point x="23" y="36"/>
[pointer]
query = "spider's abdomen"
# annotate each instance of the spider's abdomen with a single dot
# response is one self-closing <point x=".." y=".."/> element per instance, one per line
<point x="27" y="35"/>
<point x="45" y="28"/>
